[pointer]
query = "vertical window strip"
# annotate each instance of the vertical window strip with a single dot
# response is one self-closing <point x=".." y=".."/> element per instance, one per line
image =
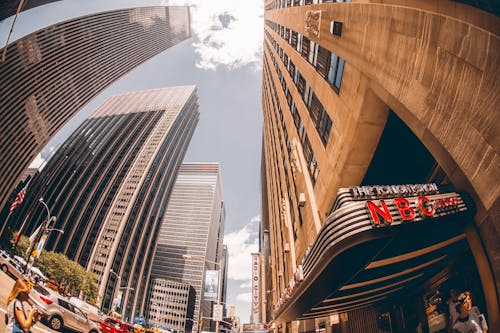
<point x="309" y="155"/>
<point x="319" y="116"/>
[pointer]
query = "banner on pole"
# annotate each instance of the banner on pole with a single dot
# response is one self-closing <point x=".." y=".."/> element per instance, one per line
<point x="211" y="285"/>
<point x="40" y="245"/>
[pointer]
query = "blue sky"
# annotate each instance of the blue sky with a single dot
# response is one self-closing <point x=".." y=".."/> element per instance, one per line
<point x="223" y="59"/>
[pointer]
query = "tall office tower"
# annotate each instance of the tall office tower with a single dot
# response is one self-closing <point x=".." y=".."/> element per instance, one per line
<point x="49" y="75"/>
<point x="367" y="93"/>
<point x="109" y="185"/>
<point x="190" y="240"/>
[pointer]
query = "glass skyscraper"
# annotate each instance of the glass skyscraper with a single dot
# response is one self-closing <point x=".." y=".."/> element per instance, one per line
<point x="50" y="74"/>
<point x="109" y="185"/>
<point x="193" y="226"/>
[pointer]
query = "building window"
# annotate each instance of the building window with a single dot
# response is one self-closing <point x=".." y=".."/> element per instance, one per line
<point x="324" y="127"/>
<point x="323" y="61"/>
<point x="335" y="71"/>
<point x="313" y="53"/>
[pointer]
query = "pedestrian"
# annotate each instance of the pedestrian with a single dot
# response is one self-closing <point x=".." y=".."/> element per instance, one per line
<point x="20" y="314"/>
<point x="469" y="318"/>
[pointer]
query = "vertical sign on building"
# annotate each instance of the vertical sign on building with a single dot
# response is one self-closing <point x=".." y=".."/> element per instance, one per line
<point x="255" y="288"/>
<point x="211" y="285"/>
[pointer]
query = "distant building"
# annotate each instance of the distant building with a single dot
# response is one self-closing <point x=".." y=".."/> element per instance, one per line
<point x="193" y="227"/>
<point x="171" y="305"/>
<point x="380" y="187"/>
<point x="50" y="74"/>
<point x="109" y="184"/>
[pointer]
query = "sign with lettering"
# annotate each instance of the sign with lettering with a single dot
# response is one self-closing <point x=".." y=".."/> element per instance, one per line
<point x="255" y="288"/>
<point x="217" y="312"/>
<point x="385" y="212"/>
<point x="392" y="191"/>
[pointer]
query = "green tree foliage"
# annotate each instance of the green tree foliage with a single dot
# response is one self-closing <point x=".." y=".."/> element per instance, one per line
<point x="58" y="267"/>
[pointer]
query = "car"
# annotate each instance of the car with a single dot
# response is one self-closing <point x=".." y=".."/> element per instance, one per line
<point x="92" y="312"/>
<point x="10" y="266"/>
<point x="112" y="325"/>
<point x="58" y="313"/>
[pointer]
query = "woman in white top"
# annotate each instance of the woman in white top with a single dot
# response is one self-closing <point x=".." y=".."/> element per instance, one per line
<point x="469" y="318"/>
<point x="21" y="316"/>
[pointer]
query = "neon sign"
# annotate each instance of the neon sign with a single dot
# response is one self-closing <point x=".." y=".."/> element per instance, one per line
<point x="385" y="212"/>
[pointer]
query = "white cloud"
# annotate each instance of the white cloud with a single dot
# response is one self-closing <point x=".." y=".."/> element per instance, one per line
<point x="245" y="297"/>
<point x="227" y="32"/>
<point x="241" y="244"/>
<point x="247" y="284"/>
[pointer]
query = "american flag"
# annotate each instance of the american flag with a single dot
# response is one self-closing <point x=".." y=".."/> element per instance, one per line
<point x="19" y="200"/>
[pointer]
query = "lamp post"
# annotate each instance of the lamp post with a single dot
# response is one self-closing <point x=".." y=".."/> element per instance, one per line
<point x="43" y="229"/>
<point x="115" y="294"/>
<point x="219" y="289"/>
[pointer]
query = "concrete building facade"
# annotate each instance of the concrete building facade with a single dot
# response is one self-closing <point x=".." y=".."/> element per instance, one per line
<point x="376" y="93"/>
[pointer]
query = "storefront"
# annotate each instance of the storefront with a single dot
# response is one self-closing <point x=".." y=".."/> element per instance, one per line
<point x="389" y="253"/>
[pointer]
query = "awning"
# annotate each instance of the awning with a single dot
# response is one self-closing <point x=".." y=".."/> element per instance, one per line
<point x="360" y="260"/>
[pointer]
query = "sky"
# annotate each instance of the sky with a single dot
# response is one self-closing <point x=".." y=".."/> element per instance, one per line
<point x="224" y="60"/>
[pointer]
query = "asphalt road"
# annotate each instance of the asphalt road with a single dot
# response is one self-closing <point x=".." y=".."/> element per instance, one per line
<point x="6" y="283"/>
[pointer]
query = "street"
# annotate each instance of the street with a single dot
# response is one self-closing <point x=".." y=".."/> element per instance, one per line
<point x="6" y="284"/>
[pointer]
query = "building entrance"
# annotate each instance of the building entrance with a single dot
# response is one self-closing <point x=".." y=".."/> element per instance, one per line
<point x="401" y="158"/>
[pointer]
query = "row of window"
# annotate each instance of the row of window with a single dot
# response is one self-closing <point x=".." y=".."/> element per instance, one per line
<point x="278" y="113"/>
<point x="309" y="155"/>
<point x="318" y="113"/>
<point x="328" y="65"/>
<point x="276" y="192"/>
<point x="277" y="4"/>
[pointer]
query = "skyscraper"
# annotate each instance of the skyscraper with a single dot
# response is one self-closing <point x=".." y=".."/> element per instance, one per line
<point x="49" y="75"/>
<point x="109" y="185"/>
<point x="191" y="236"/>
<point x="360" y="94"/>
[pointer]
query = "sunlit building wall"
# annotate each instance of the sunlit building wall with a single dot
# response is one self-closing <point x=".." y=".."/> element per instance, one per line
<point x="339" y="75"/>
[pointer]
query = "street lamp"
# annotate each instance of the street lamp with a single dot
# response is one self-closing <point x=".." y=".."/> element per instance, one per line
<point x="43" y="229"/>
<point x="114" y="302"/>
<point x="191" y="257"/>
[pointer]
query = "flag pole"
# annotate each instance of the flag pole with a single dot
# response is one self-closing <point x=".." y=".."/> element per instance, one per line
<point x="19" y="7"/>
<point x="18" y="235"/>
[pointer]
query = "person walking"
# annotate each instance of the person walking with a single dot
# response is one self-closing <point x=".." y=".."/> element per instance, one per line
<point x="469" y="318"/>
<point x="20" y="315"/>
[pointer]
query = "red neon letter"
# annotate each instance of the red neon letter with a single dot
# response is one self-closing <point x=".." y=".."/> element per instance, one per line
<point x="375" y="212"/>
<point x="407" y="213"/>
<point x="426" y="211"/>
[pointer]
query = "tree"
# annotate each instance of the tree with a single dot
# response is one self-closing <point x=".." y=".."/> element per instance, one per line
<point x="58" y="267"/>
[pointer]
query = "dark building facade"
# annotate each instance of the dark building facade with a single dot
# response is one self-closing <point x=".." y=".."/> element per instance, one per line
<point x="378" y="178"/>
<point x="109" y="184"/>
<point x="51" y="74"/>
